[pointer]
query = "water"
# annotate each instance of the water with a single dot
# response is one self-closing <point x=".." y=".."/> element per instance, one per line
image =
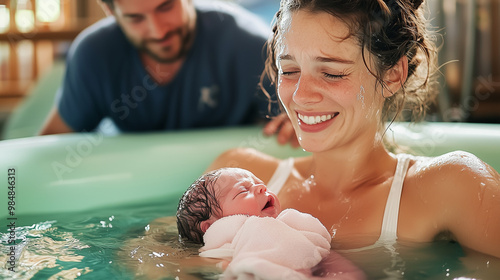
<point x="140" y="242"/>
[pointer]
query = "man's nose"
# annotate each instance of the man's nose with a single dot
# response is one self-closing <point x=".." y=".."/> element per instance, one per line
<point x="157" y="27"/>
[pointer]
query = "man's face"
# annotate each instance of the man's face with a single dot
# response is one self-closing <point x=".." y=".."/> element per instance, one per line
<point x="161" y="29"/>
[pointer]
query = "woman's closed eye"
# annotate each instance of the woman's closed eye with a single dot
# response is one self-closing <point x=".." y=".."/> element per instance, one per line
<point x="325" y="74"/>
<point x="334" y="76"/>
<point x="288" y="73"/>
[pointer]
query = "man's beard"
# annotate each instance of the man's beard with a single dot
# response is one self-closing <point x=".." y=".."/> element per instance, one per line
<point x="185" y="45"/>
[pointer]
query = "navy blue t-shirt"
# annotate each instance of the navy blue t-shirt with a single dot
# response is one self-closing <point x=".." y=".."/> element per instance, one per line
<point x="216" y="86"/>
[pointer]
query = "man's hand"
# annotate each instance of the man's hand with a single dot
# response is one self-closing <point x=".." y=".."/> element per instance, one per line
<point x="282" y="126"/>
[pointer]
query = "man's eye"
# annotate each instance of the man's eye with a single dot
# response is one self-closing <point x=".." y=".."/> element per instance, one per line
<point x="166" y="7"/>
<point x="135" y="19"/>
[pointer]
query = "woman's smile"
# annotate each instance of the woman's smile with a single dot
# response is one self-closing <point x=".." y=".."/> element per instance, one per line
<point x="316" y="122"/>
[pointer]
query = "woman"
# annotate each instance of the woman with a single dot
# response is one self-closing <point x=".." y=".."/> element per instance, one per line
<point x="344" y="68"/>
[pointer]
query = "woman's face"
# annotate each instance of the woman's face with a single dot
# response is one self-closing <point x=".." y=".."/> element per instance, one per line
<point x="323" y="83"/>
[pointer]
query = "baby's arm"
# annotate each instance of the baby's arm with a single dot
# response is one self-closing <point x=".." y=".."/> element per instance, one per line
<point x="335" y="266"/>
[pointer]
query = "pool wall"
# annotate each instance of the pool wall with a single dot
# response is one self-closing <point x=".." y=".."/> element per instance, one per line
<point x="78" y="172"/>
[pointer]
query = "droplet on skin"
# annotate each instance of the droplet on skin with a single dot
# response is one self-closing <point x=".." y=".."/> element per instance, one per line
<point x="334" y="232"/>
<point x="360" y="96"/>
<point x="309" y="182"/>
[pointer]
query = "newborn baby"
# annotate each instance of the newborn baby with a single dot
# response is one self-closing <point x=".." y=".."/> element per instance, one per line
<point x="237" y="219"/>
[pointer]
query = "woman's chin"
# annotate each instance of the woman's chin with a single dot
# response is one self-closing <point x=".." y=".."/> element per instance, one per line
<point x="312" y="146"/>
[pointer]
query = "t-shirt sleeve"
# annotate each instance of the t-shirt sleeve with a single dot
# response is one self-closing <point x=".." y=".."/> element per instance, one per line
<point x="78" y="101"/>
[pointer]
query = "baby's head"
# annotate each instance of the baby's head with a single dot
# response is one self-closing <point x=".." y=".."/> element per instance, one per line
<point x="220" y="193"/>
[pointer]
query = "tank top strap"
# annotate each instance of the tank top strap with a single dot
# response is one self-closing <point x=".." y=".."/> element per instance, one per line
<point x="281" y="174"/>
<point x="391" y="213"/>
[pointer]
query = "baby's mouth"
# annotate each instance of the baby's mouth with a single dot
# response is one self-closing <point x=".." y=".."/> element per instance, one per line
<point x="269" y="203"/>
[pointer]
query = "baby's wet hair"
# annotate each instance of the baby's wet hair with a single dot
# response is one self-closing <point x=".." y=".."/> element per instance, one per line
<point x="196" y="205"/>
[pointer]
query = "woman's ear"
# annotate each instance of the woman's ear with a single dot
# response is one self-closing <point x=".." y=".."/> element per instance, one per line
<point x="395" y="77"/>
<point x="205" y="225"/>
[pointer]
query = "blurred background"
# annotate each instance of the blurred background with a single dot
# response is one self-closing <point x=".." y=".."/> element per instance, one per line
<point x="35" y="36"/>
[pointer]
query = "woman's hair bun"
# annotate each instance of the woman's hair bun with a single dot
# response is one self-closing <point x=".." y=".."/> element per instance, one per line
<point x="416" y="3"/>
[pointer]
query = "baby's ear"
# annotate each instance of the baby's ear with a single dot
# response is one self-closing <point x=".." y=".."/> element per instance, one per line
<point x="205" y="225"/>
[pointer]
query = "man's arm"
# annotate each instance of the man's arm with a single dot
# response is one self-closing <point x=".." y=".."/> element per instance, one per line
<point x="55" y="124"/>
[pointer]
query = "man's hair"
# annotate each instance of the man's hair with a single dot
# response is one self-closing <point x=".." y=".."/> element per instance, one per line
<point x="196" y="205"/>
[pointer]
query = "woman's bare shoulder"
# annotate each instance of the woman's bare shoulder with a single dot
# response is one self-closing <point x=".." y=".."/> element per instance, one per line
<point x="457" y="165"/>
<point x="259" y="163"/>
<point x="462" y="193"/>
<point x="455" y="175"/>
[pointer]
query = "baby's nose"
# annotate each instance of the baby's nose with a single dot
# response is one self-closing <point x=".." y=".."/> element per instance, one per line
<point x="259" y="189"/>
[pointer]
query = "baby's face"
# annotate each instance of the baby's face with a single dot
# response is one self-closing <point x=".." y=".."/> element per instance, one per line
<point x="241" y="192"/>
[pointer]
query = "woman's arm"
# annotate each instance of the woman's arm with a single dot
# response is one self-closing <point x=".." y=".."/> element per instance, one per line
<point x="471" y="205"/>
<point x="260" y="164"/>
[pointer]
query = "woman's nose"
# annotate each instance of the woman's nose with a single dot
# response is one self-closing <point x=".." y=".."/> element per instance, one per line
<point x="305" y="91"/>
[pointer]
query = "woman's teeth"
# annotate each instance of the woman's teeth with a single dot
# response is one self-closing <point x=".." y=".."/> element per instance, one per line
<point x="315" y="119"/>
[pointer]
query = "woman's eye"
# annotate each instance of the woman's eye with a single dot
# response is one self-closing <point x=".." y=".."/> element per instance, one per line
<point x="288" y="73"/>
<point x="332" y="76"/>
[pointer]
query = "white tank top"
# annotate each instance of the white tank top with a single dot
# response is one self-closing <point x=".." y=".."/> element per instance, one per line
<point x="388" y="234"/>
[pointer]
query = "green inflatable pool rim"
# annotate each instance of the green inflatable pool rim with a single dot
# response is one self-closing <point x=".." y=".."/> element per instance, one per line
<point x="78" y="172"/>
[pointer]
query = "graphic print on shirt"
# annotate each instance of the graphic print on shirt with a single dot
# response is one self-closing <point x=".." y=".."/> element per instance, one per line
<point x="208" y="98"/>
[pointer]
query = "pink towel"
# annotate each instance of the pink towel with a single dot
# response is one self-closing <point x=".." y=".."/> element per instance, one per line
<point x="267" y="248"/>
